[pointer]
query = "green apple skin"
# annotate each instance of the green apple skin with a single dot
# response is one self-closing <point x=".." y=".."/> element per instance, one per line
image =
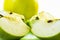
<point x="56" y="37"/>
<point x="7" y="36"/>
<point x="30" y="36"/>
<point x="28" y="8"/>
<point x="12" y="18"/>
<point x="41" y="17"/>
<point x="2" y="38"/>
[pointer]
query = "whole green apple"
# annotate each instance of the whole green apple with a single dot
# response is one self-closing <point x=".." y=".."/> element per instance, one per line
<point x="26" y="7"/>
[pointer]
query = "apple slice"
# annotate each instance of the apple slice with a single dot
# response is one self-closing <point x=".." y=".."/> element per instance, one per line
<point x="28" y="8"/>
<point x="30" y="36"/>
<point x="45" y="25"/>
<point x="12" y="26"/>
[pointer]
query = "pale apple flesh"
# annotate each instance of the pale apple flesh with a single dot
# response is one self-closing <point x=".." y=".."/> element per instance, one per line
<point x="46" y="26"/>
<point x="45" y="29"/>
<point x="13" y="25"/>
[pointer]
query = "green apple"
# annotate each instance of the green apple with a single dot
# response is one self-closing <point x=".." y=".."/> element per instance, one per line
<point x="1" y="38"/>
<point x="45" y="26"/>
<point x="26" y="7"/>
<point x="30" y="36"/>
<point x="12" y="26"/>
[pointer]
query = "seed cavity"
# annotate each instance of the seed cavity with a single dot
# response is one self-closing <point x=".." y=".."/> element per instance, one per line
<point x="37" y="18"/>
<point x="49" y="21"/>
<point x="1" y="15"/>
<point x="10" y="12"/>
<point x="22" y="19"/>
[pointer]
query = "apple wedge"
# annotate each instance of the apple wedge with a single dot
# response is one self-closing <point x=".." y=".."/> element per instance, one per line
<point x="45" y="26"/>
<point x="12" y="26"/>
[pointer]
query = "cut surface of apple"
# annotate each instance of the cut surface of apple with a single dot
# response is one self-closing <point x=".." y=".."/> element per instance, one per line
<point x="30" y="36"/>
<point x="26" y="7"/>
<point x="12" y="24"/>
<point x="45" y="25"/>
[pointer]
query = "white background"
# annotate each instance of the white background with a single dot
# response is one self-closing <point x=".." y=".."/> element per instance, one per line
<point x="51" y="6"/>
